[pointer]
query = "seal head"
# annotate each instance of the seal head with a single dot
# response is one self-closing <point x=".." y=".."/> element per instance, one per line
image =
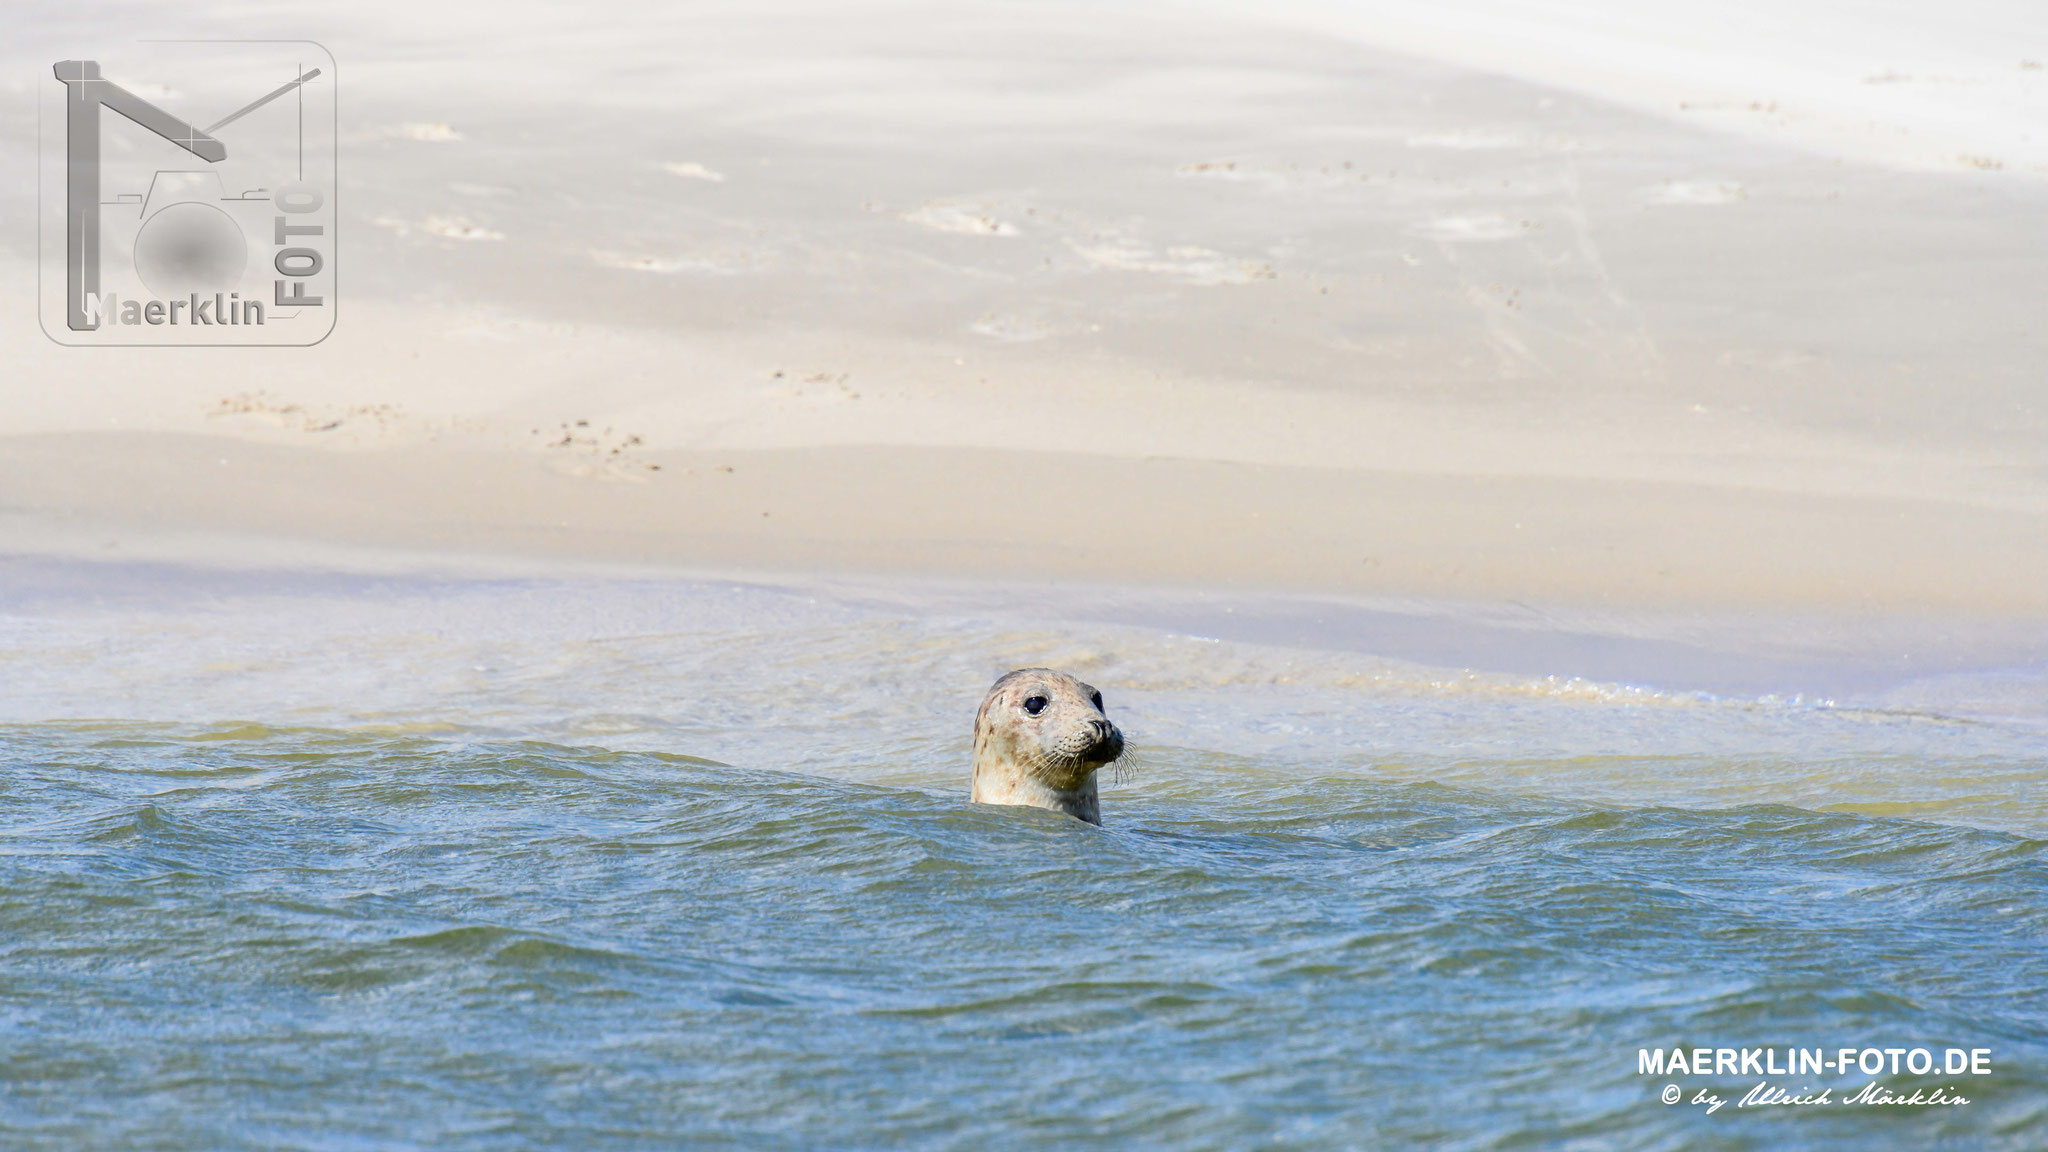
<point x="1038" y="739"/>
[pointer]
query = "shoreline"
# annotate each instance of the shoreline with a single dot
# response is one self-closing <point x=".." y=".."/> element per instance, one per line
<point x="1906" y="662"/>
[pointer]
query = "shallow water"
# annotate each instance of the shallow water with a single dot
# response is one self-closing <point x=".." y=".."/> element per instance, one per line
<point x="346" y="863"/>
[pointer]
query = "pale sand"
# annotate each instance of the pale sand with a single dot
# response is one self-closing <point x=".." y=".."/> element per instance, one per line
<point x="1047" y="292"/>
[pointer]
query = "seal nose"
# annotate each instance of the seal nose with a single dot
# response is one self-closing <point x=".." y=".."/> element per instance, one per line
<point x="1109" y="743"/>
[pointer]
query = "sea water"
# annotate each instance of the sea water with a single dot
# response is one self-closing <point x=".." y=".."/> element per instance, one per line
<point x="368" y="862"/>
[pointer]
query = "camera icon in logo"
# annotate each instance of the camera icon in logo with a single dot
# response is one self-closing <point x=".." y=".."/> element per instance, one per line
<point x="189" y="246"/>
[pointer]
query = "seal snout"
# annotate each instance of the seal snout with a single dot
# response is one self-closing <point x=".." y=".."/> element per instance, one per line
<point x="1109" y="743"/>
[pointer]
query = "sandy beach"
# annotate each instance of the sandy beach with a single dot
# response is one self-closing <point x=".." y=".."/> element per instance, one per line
<point x="1205" y="298"/>
<point x="1554" y="497"/>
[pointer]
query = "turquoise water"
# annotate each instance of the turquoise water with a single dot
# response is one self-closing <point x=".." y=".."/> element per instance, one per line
<point x="367" y="864"/>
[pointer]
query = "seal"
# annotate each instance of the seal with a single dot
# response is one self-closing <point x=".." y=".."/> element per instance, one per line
<point x="1038" y="739"/>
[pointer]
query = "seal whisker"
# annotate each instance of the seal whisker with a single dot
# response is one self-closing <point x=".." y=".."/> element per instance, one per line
<point x="1128" y="766"/>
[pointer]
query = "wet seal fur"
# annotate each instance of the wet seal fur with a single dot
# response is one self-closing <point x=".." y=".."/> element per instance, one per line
<point x="1038" y="739"/>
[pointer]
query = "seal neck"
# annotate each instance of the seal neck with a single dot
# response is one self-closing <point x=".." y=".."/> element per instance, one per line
<point x="1080" y="803"/>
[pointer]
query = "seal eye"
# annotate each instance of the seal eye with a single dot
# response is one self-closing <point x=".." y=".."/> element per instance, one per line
<point x="1035" y="705"/>
<point x="1097" y="699"/>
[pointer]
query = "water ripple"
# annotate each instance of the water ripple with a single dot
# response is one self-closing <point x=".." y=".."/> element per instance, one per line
<point x="252" y="936"/>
